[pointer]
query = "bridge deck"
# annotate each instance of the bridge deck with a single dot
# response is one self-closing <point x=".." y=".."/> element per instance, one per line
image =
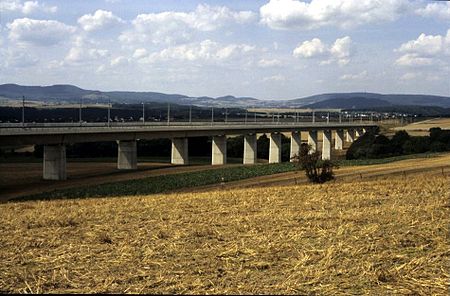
<point x="70" y="133"/>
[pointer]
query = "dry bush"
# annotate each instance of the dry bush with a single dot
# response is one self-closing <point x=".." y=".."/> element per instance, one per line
<point x="374" y="237"/>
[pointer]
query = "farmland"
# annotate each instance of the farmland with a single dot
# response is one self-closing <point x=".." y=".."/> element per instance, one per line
<point x="421" y="128"/>
<point x="384" y="236"/>
<point x="102" y="178"/>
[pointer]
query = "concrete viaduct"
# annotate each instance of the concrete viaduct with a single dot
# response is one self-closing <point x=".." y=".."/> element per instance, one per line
<point x="56" y="137"/>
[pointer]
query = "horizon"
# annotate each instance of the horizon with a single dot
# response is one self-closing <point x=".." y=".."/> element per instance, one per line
<point x="225" y="95"/>
<point x="269" y="50"/>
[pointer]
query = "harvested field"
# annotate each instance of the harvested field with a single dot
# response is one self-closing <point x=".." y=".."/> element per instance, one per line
<point x="421" y="128"/>
<point x="373" y="237"/>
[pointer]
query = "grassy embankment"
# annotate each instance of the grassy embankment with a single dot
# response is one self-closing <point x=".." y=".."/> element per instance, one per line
<point x="379" y="237"/>
<point x="158" y="184"/>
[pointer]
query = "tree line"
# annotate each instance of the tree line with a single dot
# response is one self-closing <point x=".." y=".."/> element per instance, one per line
<point x="374" y="145"/>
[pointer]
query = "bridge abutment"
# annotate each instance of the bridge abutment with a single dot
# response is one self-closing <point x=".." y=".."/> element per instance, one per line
<point x="219" y="150"/>
<point x="275" y="148"/>
<point x="54" y="167"/>
<point x="127" y="155"/>
<point x="250" y="149"/>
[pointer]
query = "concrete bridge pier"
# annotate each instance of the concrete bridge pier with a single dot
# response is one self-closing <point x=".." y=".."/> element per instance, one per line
<point x="312" y="140"/>
<point x="326" y="145"/>
<point x="296" y="142"/>
<point x="250" y="149"/>
<point x="219" y="150"/>
<point x="54" y="167"/>
<point x="275" y="148"/>
<point x="179" y="154"/>
<point x="127" y="155"/>
<point x="350" y="135"/>
<point x="339" y="140"/>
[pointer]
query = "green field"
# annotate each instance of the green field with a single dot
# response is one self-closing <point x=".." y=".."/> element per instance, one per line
<point x="165" y="183"/>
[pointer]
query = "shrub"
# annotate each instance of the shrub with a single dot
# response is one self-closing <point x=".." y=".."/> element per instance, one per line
<point x="317" y="170"/>
<point x="416" y="145"/>
<point x="370" y="145"/>
<point x="398" y="140"/>
<point x="438" y="147"/>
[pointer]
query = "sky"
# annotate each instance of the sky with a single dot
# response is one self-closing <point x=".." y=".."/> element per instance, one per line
<point x="272" y="49"/>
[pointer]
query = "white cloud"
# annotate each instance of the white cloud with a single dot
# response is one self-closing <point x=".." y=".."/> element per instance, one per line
<point x="78" y="55"/>
<point x="409" y="76"/>
<point x="424" y="45"/>
<point x="140" y="53"/>
<point x="340" y="52"/>
<point x="294" y="14"/>
<point x="276" y="78"/>
<point x="18" y="58"/>
<point x="84" y="51"/>
<point x="99" y="20"/>
<point x="435" y="10"/>
<point x="359" y="76"/>
<point x="39" y="32"/>
<point x="426" y="50"/>
<point x="27" y="7"/>
<point x="265" y="63"/>
<point x="414" y="60"/>
<point x="118" y="61"/>
<point x="172" y="27"/>
<point x="205" y="51"/>
<point x="310" y="49"/>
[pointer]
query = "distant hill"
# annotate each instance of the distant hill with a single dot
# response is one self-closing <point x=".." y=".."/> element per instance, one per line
<point x="393" y="99"/>
<point x="69" y="93"/>
<point x="349" y="103"/>
<point x="415" y="109"/>
<point x="73" y="94"/>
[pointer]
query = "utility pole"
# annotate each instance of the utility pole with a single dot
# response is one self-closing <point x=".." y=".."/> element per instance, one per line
<point x="328" y="118"/>
<point x="143" y="113"/>
<point x="23" y="111"/>
<point x="278" y="119"/>
<point x="246" y="112"/>
<point x="109" y="112"/>
<point x="190" y="114"/>
<point x="255" y="115"/>
<point x="314" y="116"/>
<point x="226" y="115"/>
<point x="340" y="117"/>
<point x="212" y="115"/>
<point x="168" y="113"/>
<point x="81" y="106"/>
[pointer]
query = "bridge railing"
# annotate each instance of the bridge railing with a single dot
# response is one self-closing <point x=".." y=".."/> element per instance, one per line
<point x="149" y="124"/>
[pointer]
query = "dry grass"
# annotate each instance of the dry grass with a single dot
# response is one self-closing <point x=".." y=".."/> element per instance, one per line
<point x="373" y="237"/>
<point x="424" y="126"/>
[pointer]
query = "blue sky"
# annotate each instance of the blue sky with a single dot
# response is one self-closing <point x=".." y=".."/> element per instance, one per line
<point x="272" y="49"/>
